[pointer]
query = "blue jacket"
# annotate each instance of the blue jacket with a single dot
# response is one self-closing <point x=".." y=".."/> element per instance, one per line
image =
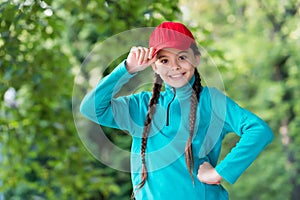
<point x="168" y="176"/>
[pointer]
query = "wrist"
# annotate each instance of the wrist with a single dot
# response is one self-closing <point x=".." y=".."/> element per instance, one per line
<point x="217" y="176"/>
<point x="128" y="68"/>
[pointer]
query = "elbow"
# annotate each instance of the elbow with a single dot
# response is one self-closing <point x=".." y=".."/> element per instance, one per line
<point x="270" y="135"/>
<point x="87" y="110"/>
<point x="268" y="132"/>
<point x="83" y="109"/>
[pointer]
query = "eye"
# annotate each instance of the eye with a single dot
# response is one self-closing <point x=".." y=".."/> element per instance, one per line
<point x="164" y="61"/>
<point x="183" y="57"/>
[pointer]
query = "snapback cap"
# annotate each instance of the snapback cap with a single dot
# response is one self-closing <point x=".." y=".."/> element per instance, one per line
<point x="171" y="35"/>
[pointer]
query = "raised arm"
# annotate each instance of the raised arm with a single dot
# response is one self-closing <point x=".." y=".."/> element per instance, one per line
<point x="101" y="107"/>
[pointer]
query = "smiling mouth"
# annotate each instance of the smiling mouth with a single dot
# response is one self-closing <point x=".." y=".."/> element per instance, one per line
<point x="177" y="76"/>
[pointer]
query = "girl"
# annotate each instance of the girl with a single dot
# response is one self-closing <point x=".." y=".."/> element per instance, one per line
<point x="177" y="131"/>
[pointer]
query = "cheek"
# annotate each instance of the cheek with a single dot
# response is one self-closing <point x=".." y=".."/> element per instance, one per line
<point x="193" y="61"/>
<point x="188" y="66"/>
<point x="161" y="70"/>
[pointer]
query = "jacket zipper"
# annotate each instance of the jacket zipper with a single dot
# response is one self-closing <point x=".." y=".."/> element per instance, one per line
<point x="168" y="108"/>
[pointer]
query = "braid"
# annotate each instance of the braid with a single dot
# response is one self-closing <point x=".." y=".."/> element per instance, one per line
<point x="151" y="110"/>
<point x="194" y="103"/>
<point x="197" y="87"/>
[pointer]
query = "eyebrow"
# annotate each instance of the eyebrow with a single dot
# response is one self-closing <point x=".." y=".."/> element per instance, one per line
<point x="162" y="56"/>
<point x="184" y="51"/>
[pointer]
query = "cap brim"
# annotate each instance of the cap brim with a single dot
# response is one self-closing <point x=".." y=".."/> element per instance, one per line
<point x="172" y="44"/>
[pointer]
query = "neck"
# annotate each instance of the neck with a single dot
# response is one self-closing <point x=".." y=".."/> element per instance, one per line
<point x="184" y="91"/>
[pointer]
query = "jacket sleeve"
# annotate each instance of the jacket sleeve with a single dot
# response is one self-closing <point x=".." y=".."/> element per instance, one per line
<point x="254" y="134"/>
<point x="101" y="107"/>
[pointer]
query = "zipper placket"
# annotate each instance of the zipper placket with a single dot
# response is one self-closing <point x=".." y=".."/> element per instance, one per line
<point x="168" y="108"/>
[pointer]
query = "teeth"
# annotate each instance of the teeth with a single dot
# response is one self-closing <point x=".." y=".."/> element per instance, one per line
<point x="176" y="76"/>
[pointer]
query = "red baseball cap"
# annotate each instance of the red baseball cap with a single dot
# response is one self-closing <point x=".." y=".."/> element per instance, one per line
<point x="171" y="35"/>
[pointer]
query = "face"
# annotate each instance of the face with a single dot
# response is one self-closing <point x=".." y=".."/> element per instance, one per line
<point x="176" y="67"/>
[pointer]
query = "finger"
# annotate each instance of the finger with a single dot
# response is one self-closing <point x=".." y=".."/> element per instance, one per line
<point x="152" y="57"/>
<point x="153" y="60"/>
<point x="146" y="56"/>
<point x="206" y="165"/>
<point x="141" y="55"/>
<point x="137" y="53"/>
<point x="213" y="183"/>
<point x="133" y="49"/>
<point x="151" y="51"/>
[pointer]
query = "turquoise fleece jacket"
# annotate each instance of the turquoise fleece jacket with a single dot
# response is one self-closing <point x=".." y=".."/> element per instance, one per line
<point x="168" y="176"/>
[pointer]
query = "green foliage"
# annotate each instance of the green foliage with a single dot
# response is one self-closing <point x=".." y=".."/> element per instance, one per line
<point x="42" y="45"/>
<point x="254" y="44"/>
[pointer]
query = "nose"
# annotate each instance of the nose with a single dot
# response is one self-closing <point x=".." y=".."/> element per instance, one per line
<point x="175" y="66"/>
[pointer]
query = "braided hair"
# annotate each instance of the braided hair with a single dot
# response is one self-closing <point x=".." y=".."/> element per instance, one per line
<point x="147" y="124"/>
<point x="151" y="110"/>
<point x="189" y="159"/>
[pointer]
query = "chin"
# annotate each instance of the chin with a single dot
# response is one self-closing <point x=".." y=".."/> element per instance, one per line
<point x="178" y="85"/>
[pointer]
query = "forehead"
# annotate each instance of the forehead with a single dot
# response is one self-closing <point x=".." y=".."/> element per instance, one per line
<point x="172" y="51"/>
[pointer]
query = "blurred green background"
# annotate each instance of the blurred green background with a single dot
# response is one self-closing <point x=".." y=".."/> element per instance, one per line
<point x="254" y="44"/>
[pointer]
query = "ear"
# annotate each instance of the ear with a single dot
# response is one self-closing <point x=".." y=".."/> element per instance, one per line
<point x="154" y="67"/>
<point x="197" y="60"/>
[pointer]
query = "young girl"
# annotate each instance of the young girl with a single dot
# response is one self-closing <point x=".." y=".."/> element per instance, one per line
<point x="177" y="131"/>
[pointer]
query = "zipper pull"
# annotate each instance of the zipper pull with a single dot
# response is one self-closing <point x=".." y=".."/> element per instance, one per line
<point x="174" y="90"/>
<point x="168" y="108"/>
